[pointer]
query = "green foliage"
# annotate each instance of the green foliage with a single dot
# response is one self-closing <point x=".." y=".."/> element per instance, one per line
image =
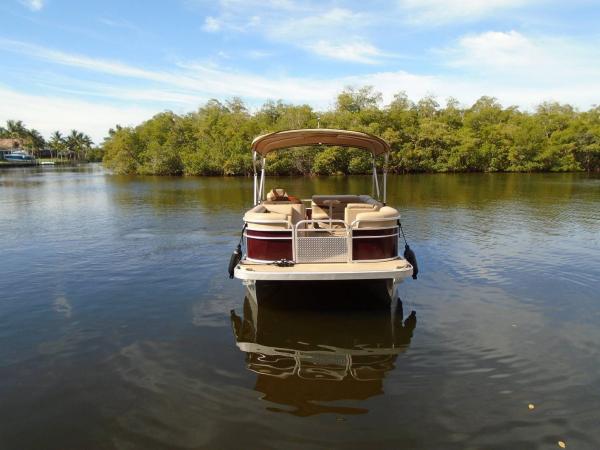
<point x="359" y="162"/>
<point x="331" y="161"/>
<point x="424" y="136"/>
<point x="96" y="154"/>
<point x="355" y="100"/>
<point x="121" y="151"/>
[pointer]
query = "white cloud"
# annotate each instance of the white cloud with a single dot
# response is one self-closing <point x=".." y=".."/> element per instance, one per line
<point x="334" y="33"/>
<point x="361" y="52"/>
<point x="69" y="59"/>
<point x="497" y="50"/>
<point x="50" y="113"/>
<point x="211" y="24"/>
<point x="539" y="60"/>
<point x="33" y="5"/>
<point x="331" y="31"/>
<point x="312" y="25"/>
<point x="435" y="12"/>
<point x="510" y="66"/>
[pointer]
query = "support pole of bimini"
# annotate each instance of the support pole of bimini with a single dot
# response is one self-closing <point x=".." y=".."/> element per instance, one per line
<point x="373" y="176"/>
<point x="261" y="189"/>
<point x="255" y="178"/>
<point x="385" y="164"/>
<point x="375" y="180"/>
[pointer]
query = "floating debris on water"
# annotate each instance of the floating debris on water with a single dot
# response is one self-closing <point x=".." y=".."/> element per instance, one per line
<point x="531" y="406"/>
<point x="561" y="444"/>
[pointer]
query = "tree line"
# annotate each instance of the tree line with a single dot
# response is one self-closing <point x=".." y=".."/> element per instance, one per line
<point x="424" y="136"/>
<point x="76" y="145"/>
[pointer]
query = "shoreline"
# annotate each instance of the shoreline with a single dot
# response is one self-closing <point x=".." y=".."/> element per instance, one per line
<point x="38" y="163"/>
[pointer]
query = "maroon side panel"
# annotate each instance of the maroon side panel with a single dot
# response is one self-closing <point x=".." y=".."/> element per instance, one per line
<point x="375" y="248"/>
<point x="269" y="249"/>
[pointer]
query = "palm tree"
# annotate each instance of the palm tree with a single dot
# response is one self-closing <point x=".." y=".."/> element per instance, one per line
<point x="57" y="142"/>
<point x="35" y="140"/>
<point x="16" y="129"/>
<point x="79" y="143"/>
<point x="72" y="142"/>
<point x="87" y="143"/>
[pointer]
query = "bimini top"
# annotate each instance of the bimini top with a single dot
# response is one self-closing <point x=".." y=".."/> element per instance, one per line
<point x="319" y="136"/>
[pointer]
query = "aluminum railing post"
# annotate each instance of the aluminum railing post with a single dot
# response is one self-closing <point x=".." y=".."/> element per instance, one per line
<point x="375" y="179"/>
<point x="255" y="200"/>
<point x="385" y="164"/>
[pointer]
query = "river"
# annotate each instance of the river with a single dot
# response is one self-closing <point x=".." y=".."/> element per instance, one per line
<point x="120" y="329"/>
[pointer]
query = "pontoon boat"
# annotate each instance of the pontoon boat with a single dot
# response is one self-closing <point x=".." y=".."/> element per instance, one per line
<point x="325" y="237"/>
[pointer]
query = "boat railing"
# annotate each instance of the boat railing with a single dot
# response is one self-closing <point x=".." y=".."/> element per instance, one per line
<point x="331" y="240"/>
<point x="320" y="243"/>
<point x="373" y="234"/>
<point x="356" y="223"/>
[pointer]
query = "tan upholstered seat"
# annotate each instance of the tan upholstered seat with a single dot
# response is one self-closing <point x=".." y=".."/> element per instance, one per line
<point x="257" y="216"/>
<point x="376" y="219"/>
<point x="353" y="209"/>
<point x="320" y="208"/>
<point x="295" y="211"/>
<point x="269" y="211"/>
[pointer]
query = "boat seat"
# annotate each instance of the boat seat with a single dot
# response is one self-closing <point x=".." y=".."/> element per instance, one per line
<point x="320" y="205"/>
<point x="320" y="208"/>
<point x="376" y="219"/>
<point x="256" y="217"/>
<point x="290" y="212"/>
<point x="279" y="195"/>
<point x="295" y="211"/>
<point x="353" y="209"/>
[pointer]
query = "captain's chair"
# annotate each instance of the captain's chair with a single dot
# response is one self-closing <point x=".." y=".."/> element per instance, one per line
<point x="278" y="201"/>
<point x="278" y="195"/>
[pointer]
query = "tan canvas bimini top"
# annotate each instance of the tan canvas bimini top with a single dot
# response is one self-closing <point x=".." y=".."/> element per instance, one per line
<point x="319" y="136"/>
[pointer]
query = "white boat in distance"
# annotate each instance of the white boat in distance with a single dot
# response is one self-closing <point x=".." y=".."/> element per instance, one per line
<point x="19" y="156"/>
<point x="337" y="237"/>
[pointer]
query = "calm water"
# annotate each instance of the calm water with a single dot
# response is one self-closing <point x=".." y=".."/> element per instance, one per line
<point x="120" y="329"/>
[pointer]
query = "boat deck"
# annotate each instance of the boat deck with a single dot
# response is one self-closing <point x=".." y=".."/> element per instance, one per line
<point x="396" y="269"/>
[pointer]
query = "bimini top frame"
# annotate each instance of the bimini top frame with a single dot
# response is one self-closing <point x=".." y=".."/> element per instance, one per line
<point x="262" y="145"/>
<point x="321" y="136"/>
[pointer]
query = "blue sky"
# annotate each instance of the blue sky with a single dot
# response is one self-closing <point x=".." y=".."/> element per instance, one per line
<point x="90" y="65"/>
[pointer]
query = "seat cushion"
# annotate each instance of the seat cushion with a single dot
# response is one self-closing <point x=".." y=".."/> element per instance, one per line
<point x="376" y="219"/>
<point x="295" y="211"/>
<point x="353" y="209"/>
<point x="256" y="217"/>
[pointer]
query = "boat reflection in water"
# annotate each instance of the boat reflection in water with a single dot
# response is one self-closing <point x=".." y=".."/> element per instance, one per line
<point x="308" y="359"/>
